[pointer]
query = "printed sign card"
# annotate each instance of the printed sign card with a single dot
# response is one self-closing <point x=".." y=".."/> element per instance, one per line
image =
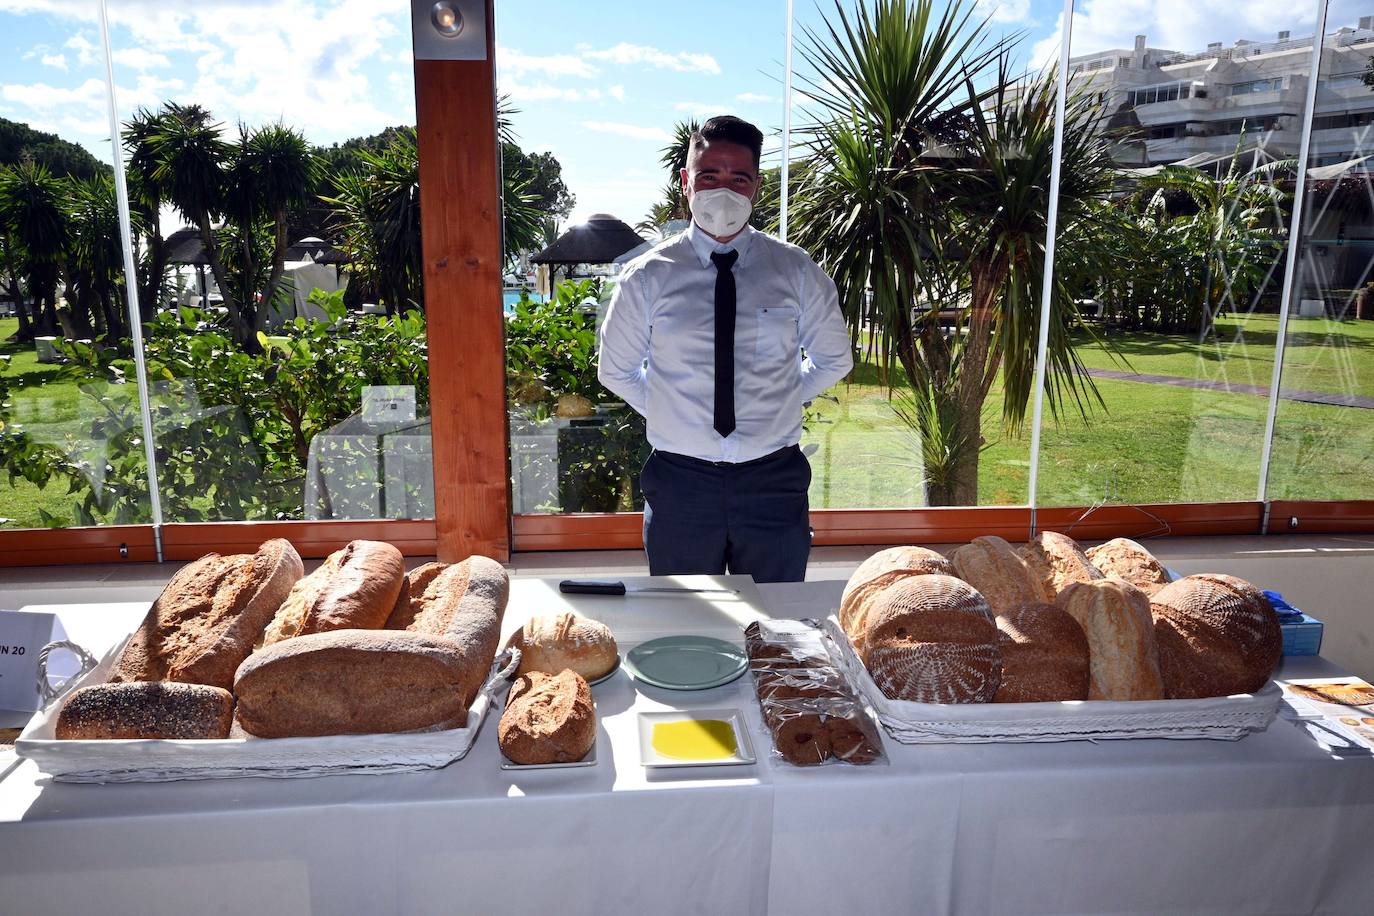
<point x="23" y="634"/>
<point x="388" y="403"/>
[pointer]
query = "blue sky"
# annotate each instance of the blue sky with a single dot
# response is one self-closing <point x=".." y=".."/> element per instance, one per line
<point x="600" y="84"/>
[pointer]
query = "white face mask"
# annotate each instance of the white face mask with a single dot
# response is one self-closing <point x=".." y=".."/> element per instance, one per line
<point x="720" y="211"/>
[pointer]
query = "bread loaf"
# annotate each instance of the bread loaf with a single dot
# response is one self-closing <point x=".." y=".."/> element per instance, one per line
<point x="1044" y="655"/>
<point x="1125" y="559"/>
<point x="553" y="642"/>
<point x="1218" y="635"/>
<point x="355" y="588"/>
<point x="549" y="718"/>
<point x="1123" y="660"/>
<point x="932" y="639"/>
<point x="208" y="617"/>
<point x="349" y="682"/>
<point x="998" y="572"/>
<point x="463" y="603"/>
<point x="878" y="572"/>
<point x="146" y="709"/>
<point x="1058" y="560"/>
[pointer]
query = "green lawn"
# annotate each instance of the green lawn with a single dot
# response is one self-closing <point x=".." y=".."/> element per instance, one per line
<point x="1148" y="443"/>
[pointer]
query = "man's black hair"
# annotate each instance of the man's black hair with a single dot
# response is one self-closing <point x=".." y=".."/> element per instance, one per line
<point x="730" y="129"/>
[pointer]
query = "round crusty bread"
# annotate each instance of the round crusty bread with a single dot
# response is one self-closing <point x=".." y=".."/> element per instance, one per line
<point x="552" y="642"/>
<point x="207" y="619"/>
<point x="1058" y="561"/>
<point x="146" y="709"/>
<point x="549" y="718"/>
<point x="1044" y="655"/>
<point x="998" y="572"/>
<point x="932" y="639"/>
<point x="355" y="588"/>
<point x="1123" y="661"/>
<point x="1218" y="636"/>
<point x="878" y="572"/>
<point x="1125" y="559"/>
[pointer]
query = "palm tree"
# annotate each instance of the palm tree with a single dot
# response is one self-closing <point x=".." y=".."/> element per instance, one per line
<point x="34" y="216"/>
<point x="146" y="196"/>
<point x="377" y="212"/>
<point x="97" y="257"/>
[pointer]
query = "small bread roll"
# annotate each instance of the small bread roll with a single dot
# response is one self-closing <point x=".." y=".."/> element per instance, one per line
<point x="549" y="718"/>
<point x="1125" y="559"/>
<point x="878" y="572"/>
<point x="1123" y="659"/>
<point x="993" y="566"/>
<point x="1058" y="560"/>
<point x="553" y="642"/>
<point x="1218" y="636"/>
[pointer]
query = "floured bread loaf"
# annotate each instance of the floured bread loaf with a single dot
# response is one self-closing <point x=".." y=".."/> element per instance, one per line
<point x="352" y="682"/>
<point x="146" y="709"/>
<point x="355" y="588"/>
<point x="207" y="619"/>
<point x="462" y="602"/>
<point x="1044" y="655"/>
<point x="552" y="642"/>
<point x="998" y="572"/>
<point x="878" y="572"/>
<point x="1218" y="635"/>
<point x="1125" y="559"/>
<point x="549" y="718"/>
<point x="1123" y="659"/>
<point x="932" y="639"/>
<point x="1058" y="560"/>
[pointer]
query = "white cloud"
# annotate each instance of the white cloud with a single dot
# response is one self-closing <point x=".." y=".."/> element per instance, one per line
<point x="617" y="92"/>
<point x="55" y="60"/>
<point x="634" y="131"/>
<point x="683" y="61"/>
<point x="140" y="59"/>
<point x="754" y="97"/>
<point x="1004" y="10"/>
<point x="87" y="54"/>
<point x="540" y="92"/>
<point x="701" y="109"/>
<point x="516" y="64"/>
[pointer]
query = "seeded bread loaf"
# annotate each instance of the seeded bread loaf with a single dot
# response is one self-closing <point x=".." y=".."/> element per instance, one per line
<point x="998" y="572"/>
<point x="355" y="588"/>
<point x="146" y="709"/>
<point x="1044" y="656"/>
<point x="1123" y="659"/>
<point x="549" y="718"/>
<point x="1218" y="636"/>
<point x="1125" y="559"/>
<point x="352" y="682"/>
<point x="932" y="639"/>
<point x="1058" y="560"/>
<point x="207" y="619"/>
<point x="878" y="572"/>
<point x="463" y="603"/>
<point x="553" y="642"/>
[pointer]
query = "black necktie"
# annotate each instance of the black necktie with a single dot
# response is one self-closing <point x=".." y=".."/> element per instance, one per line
<point x="725" y="341"/>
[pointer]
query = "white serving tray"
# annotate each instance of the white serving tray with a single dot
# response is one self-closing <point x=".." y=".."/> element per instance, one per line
<point x="162" y="760"/>
<point x="1226" y="718"/>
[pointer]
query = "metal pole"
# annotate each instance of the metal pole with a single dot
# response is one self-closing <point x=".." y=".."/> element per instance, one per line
<point x="1051" y="227"/>
<point x="131" y="286"/>
<point x="786" y="128"/>
<point x="1294" y="242"/>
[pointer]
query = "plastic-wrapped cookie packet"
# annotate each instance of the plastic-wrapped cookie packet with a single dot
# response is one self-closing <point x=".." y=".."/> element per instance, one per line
<point x="813" y="714"/>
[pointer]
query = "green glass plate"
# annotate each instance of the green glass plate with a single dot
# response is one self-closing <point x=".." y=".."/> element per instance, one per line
<point x="686" y="662"/>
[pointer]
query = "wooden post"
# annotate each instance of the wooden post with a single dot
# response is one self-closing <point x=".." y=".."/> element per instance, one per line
<point x="460" y="224"/>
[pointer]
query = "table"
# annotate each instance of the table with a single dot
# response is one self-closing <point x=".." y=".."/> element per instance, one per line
<point x="1269" y="824"/>
<point x="360" y="469"/>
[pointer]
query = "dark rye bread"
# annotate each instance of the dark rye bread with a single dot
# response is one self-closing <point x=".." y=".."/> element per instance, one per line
<point x="207" y="619"/>
<point x="549" y="718"/>
<point x="463" y="603"/>
<point x="146" y="709"/>
<point x="353" y="682"/>
<point x="1044" y="655"/>
<point x="355" y="588"/>
<point x="1217" y="636"/>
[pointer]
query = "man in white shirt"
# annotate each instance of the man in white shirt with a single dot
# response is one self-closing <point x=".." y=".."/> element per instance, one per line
<point x="718" y="336"/>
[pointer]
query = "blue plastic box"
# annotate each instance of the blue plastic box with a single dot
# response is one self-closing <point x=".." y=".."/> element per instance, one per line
<point x="1302" y="637"/>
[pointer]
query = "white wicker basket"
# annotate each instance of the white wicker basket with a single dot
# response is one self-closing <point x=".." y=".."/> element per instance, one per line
<point x="160" y="760"/>
<point x="1226" y="718"/>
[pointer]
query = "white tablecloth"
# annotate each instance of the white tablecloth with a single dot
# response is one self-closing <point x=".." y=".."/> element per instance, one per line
<point x="1269" y="824"/>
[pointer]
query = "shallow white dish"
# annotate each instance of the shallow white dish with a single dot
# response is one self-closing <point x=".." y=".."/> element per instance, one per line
<point x="744" y="749"/>
<point x="587" y="761"/>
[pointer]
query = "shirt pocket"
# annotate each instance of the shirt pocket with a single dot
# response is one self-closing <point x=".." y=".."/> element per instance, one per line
<point x="777" y="334"/>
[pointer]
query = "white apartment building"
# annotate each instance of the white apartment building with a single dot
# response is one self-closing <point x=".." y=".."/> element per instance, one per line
<point x="1191" y="103"/>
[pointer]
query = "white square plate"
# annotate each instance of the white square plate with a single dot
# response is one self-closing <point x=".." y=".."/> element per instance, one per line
<point x="587" y="761"/>
<point x="744" y="749"/>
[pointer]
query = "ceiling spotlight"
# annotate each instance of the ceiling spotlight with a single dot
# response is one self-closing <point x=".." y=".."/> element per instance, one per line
<point x="448" y="21"/>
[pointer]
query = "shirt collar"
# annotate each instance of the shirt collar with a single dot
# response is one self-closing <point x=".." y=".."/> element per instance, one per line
<point x="704" y="245"/>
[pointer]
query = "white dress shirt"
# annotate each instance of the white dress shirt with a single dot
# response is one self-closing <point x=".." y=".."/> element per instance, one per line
<point x="657" y="344"/>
